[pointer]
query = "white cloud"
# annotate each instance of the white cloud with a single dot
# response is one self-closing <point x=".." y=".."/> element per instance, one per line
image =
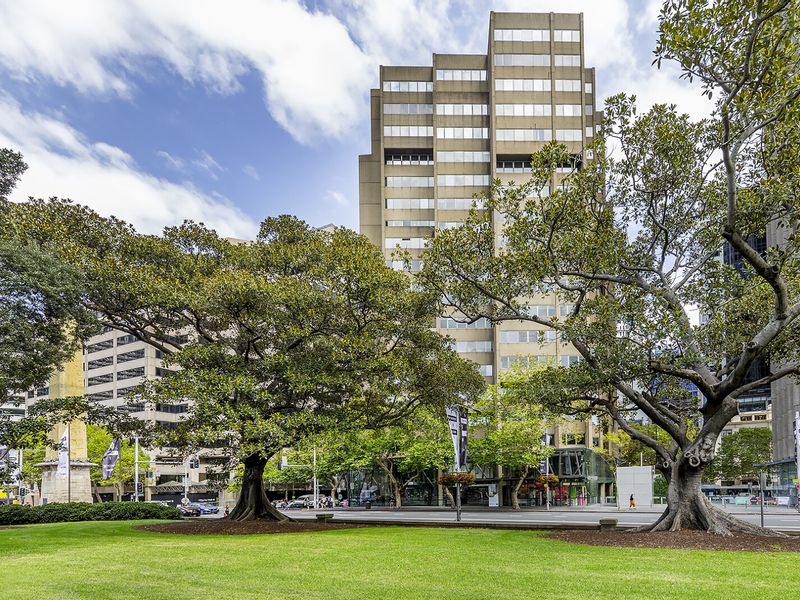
<point x="251" y="172"/>
<point x="206" y="163"/>
<point x="62" y="162"/>
<point x="314" y="75"/>
<point x="338" y="198"/>
<point x="173" y="162"/>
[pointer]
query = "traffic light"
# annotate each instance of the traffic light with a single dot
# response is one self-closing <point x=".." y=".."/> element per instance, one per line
<point x="139" y="487"/>
<point x="194" y="463"/>
<point x="23" y="492"/>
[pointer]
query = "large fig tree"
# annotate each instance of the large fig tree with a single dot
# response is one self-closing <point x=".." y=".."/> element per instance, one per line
<point x="633" y="243"/>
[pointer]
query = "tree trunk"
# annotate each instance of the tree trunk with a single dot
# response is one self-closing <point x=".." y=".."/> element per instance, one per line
<point x="449" y="495"/>
<point x="515" y="489"/>
<point x="253" y="503"/>
<point x="396" y="489"/>
<point x="688" y="507"/>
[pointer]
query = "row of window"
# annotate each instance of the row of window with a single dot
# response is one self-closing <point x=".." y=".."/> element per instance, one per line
<point x="450" y="323"/>
<point x="409" y="181"/>
<point x="422" y="223"/>
<point x="462" y="133"/>
<point x="459" y="156"/>
<point x="522" y="85"/>
<point x="464" y="180"/>
<point x="407" y="109"/>
<point x="401" y="265"/>
<point x="523" y="135"/>
<point x="407" y="86"/>
<point x="462" y="109"/>
<point x="506" y="362"/>
<point x="121" y="358"/>
<point x="407" y="131"/>
<point x="540" y="110"/>
<point x="521" y="35"/>
<point x="426" y="203"/>
<point x="522" y="60"/>
<point x="472" y="346"/>
<point x="413" y="243"/>
<point x="121" y="375"/>
<point x="409" y="159"/>
<point x="528" y="337"/>
<point x="460" y="74"/>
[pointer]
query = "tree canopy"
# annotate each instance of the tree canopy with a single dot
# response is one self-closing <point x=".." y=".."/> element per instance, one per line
<point x="270" y="339"/>
<point x="740" y="452"/>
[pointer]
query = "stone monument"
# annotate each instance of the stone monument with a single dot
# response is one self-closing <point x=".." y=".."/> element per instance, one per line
<point x="65" y="473"/>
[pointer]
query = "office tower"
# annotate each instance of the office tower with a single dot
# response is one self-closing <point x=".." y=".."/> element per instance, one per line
<point x="441" y="134"/>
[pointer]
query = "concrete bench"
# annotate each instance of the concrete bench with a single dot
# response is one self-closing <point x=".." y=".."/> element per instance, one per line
<point x="324" y="517"/>
<point x="608" y="524"/>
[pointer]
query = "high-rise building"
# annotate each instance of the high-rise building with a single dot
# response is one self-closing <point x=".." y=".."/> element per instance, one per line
<point x="441" y="134"/>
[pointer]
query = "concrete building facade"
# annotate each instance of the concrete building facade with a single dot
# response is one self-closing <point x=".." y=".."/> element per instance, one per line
<point x="441" y="134"/>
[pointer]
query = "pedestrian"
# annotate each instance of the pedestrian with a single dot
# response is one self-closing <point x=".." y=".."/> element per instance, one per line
<point x="226" y="512"/>
<point x="633" y="503"/>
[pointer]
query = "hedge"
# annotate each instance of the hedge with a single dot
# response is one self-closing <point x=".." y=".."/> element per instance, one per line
<point x="16" y="514"/>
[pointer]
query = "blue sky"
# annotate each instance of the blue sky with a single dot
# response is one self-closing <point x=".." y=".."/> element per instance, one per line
<point x="158" y="111"/>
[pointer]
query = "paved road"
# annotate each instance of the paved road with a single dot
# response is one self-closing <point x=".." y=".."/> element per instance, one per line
<point x="784" y="519"/>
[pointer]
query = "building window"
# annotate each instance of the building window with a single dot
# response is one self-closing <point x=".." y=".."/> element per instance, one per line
<point x="472" y="346"/>
<point x="464" y="180"/>
<point x="513" y="166"/>
<point x="567" y="60"/>
<point x="407" y="109"/>
<point x="407" y="131"/>
<point x="522" y="60"/>
<point x="459" y="156"/>
<point x="587" y="88"/>
<point x="524" y="135"/>
<point x="409" y="223"/>
<point x="507" y="362"/>
<point x="522" y="35"/>
<point x="104" y="345"/>
<point x="100" y="396"/>
<point x="126" y="339"/>
<point x="107" y="378"/>
<point x="543" y="311"/>
<point x="462" y="133"/>
<point x="414" y="243"/>
<point x="172" y="408"/>
<point x="568" y="85"/>
<point x="523" y="110"/>
<point x="415" y="266"/>
<point x="407" y="86"/>
<point x="450" y="323"/>
<point x="462" y="109"/>
<point x="129" y="356"/>
<point x="409" y="203"/>
<point x="130" y="373"/>
<point x="569" y="360"/>
<point x="409" y="159"/>
<point x="568" y="110"/>
<point x="589" y="110"/>
<point x="566" y="35"/>
<point x="101" y="362"/>
<point x="460" y="75"/>
<point x="460" y="203"/>
<point x="486" y="370"/>
<point x="409" y="181"/>
<point x="568" y="135"/>
<point x="524" y="85"/>
<point x="527" y="337"/>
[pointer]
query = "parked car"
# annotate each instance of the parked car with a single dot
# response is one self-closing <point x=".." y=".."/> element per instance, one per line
<point x="205" y="509"/>
<point x="308" y="499"/>
<point x="297" y="503"/>
<point x="188" y="510"/>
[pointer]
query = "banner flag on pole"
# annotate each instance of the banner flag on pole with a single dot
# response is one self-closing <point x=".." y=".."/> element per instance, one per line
<point x="110" y="458"/>
<point x="543" y="463"/>
<point x="463" y="454"/>
<point x="63" y="455"/>
<point x="797" y="441"/>
<point x="452" y="421"/>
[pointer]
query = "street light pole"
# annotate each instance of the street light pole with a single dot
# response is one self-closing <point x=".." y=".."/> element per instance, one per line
<point x="316" y="500"/>
<point x="136" y="467"/>
<point x="762" y="480"/>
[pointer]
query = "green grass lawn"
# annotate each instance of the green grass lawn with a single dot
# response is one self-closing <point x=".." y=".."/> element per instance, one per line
<point x="112" y="560"/>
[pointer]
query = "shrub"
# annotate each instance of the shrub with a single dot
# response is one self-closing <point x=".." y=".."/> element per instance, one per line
<point x="16" y="514"/>
<point x="451" y="479"/>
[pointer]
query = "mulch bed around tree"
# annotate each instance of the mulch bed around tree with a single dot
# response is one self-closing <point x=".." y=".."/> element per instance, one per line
<point x="692" y="540"/>
<point x="226" y="527"/>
